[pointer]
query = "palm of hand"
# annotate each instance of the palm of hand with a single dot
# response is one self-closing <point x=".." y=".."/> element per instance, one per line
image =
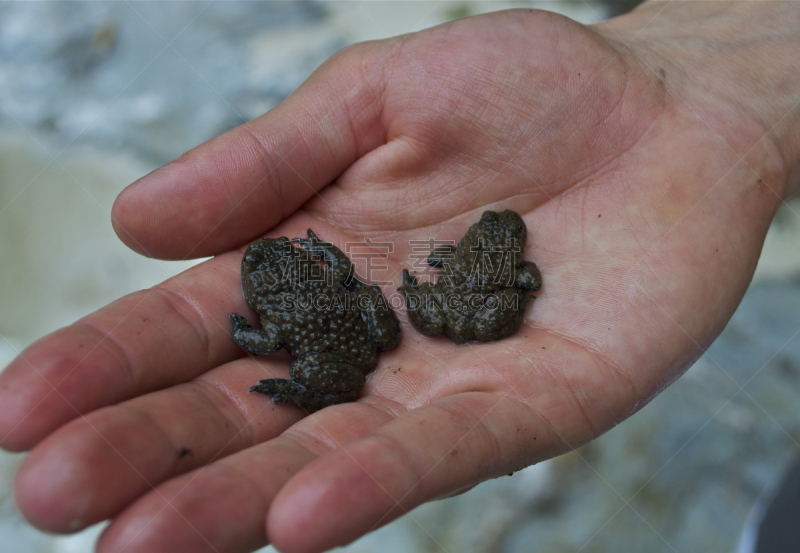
<point x="633" y="217"/>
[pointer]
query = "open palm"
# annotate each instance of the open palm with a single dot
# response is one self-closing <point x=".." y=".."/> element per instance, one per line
<point x="645" y="223"/>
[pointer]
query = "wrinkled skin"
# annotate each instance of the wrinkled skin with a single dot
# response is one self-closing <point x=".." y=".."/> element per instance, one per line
<point x="480" y="292"/>
<point x="332" y="322"/>
<point x="648" y="153"/>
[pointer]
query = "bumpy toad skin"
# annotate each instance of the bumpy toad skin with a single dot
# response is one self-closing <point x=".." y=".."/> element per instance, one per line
<point x="480" y="292"/>
<point x="310" y="303"/>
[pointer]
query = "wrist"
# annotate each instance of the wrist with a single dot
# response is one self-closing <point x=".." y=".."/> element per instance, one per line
<point x="736" y="62"/>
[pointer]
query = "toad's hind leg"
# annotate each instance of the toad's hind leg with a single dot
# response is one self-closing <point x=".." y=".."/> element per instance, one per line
<point x="500" y="316"/>
<point x="318" y="380"/>
<point x="294" y="393"/>
<point x="528" y="277"/>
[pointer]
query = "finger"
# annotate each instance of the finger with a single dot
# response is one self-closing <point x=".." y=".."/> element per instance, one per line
<point x="91" y="468"/>
<point x="223" y="507"/>
<point x="427" y="453"/>
<point x="143" y="342"/>
<point x="239" y="185"/>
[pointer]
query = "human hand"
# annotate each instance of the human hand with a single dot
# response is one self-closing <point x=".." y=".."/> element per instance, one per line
<point x="646" y="194"/>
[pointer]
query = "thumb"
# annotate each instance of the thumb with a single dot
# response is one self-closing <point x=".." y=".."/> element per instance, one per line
<point x="237" y="186"/>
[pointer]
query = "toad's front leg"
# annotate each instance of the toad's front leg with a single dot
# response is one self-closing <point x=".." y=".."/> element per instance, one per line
<point x="266" y="340"/>
<point x="318" y="380"/>
<point x="339" y="266"/>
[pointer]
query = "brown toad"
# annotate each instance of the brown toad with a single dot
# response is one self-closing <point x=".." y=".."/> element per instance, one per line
<point x="310" y="303"/>
<point x="480" y="291"/>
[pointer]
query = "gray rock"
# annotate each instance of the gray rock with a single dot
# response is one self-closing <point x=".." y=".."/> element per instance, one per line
<point x="96" y="71"/>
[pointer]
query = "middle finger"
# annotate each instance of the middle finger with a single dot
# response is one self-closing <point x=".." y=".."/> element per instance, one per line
<point x="94" y="466"/>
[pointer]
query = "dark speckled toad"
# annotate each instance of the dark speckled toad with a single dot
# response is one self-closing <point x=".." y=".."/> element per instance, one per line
<point x="480" y="292"/>
<point x="310" y="303"/>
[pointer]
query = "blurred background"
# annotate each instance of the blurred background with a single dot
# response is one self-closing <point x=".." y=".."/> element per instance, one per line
<point x="94" y="95"/>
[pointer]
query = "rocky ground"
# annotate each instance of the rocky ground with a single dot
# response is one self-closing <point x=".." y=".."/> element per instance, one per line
<point x="94" y="95"/>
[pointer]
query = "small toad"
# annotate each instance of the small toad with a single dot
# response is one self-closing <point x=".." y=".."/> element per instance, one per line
<point x="310" y="303"/>
<point x="480" y="291"/>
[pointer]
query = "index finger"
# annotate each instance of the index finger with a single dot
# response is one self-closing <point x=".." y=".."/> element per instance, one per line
<point x="142" y="342"/>
<point x="240" y="184"/>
